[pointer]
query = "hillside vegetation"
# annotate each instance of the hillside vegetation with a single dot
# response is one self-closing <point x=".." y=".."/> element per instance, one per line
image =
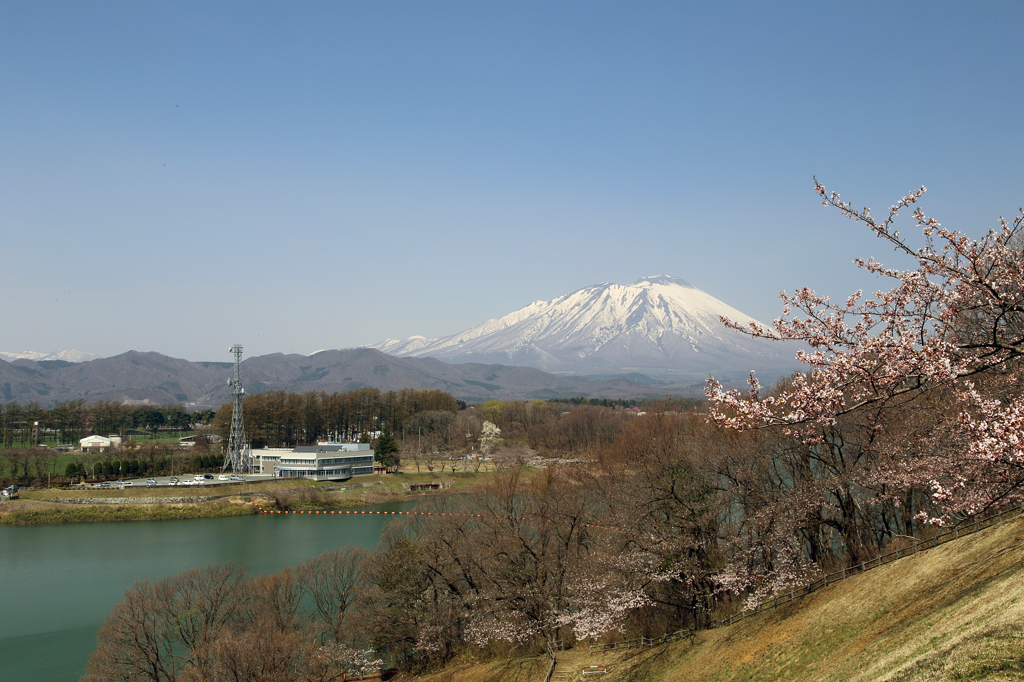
<point x="955" y="612"/>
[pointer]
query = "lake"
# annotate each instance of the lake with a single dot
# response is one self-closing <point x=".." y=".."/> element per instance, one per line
<point x="58" y="583"/>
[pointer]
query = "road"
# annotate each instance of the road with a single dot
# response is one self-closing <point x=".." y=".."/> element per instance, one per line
<point x="184" y="480"/>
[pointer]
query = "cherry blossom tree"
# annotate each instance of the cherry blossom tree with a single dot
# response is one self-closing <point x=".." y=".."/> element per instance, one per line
<point x="489" y="436"/>
<point x="949" y="332"/>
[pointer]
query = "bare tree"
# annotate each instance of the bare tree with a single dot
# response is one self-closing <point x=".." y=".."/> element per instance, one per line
<point x="160" y="629"/>
<point x="332" y="581"/>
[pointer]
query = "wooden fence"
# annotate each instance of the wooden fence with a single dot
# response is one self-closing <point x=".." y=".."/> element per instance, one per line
<point x="644" y="642"/>
<point x="557" y="645"/>
<point x="958" y="531"/>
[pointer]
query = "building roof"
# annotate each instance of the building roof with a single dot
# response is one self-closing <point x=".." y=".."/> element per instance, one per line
<point x="332" y="447"/>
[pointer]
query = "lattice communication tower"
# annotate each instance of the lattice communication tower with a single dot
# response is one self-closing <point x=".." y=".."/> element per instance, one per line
<point x="237" y="455"/>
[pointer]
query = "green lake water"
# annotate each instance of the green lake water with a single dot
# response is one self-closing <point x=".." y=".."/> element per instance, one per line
<point x="58" y="583"/>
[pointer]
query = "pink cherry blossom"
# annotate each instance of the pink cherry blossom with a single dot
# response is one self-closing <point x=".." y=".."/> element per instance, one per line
<point x="952" y="328"/>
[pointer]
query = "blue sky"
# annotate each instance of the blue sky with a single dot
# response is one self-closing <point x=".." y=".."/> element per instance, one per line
<point x="298" y="176"/>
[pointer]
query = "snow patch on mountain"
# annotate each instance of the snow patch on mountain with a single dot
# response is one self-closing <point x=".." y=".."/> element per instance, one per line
<point x="67" y="355"/>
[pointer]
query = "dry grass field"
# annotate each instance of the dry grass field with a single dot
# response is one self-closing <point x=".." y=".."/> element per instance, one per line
<point x="955" y="612"/>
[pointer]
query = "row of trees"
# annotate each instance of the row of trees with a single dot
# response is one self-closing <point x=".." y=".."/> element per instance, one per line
<point x="573" y="427"/>
<point x="69" y="421"/>
<point x="116" y="467"/>
<point x="425" y="422"/>
<point x="31" y="466"/>
<point x="281" y="419"/>
<point x="23" y="465"/>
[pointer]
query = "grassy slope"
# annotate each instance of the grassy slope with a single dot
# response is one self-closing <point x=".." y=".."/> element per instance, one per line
<point x="955" y="612"/>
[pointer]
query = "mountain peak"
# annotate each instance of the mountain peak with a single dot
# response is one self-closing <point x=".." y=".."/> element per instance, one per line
<point x="658" y="324"/>
<point x="661" y="279"/>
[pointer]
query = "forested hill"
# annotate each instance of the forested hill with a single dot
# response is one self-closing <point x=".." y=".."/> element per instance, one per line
<point x="152" y="378"/>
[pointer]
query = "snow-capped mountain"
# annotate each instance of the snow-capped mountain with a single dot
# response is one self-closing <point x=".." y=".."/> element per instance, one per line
<point x="67" y="355"/>
<point x="659" y="325"/>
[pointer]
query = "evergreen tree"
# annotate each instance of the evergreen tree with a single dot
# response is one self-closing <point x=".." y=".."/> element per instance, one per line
<point x="386" y="451"/>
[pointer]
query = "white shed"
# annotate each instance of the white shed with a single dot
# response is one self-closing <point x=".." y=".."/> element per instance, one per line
<point x="95" y="444"/>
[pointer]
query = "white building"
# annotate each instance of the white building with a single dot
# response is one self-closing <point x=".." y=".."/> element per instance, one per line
<point x="264" y="461"/>
<point x="95" y="444"/>
<point x="324" y="462"/>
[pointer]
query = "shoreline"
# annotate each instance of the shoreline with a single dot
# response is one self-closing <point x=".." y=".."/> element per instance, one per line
<point x="45" y="508"/>
<point x="45" y="514"/>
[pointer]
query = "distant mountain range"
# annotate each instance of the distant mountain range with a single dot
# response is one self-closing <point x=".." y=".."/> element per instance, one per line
<point x="155" y="379"/>
<point x="658" y="326"/>
<point x="67" y="355"/>
<point x="655" y="336"/>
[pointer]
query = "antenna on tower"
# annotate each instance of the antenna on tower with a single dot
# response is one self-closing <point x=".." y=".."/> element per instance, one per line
<point x="237" y="455"/>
